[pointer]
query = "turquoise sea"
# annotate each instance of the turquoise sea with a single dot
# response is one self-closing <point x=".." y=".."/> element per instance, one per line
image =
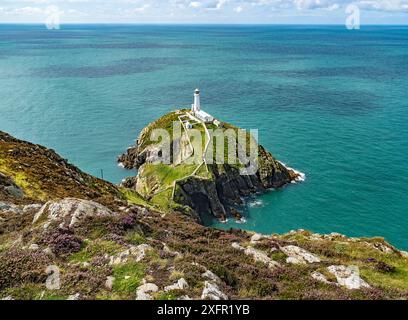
<point x="327" y="101"/>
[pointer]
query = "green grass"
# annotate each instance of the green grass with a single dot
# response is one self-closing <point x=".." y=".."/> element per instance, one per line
<point x="165" y="122"/>
<point x="171" y="295"/>
<point x="33" y="291"/>
<point x="167" y="174"/>
<point x="96" y="248"/>
<point x="134" y="238"/>
<point x="163" y="201"/>
<point x="134" y="198"/>
<point x="128" y="277"/>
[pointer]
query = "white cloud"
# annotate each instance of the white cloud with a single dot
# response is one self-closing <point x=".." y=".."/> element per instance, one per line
<point x="383" y="5"/>
<point x="141" y="9"/>
<point x="195" y="4"/>
<point x="238" y="9"/>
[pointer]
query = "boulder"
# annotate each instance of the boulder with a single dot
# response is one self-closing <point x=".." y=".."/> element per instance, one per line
<point x="34" y="247"/>
<point x="320" y="277"/>
<point x="75" y="296"/>
<point x="9" y="207"/>
<point x="136" y="252"/>
<point x="9" y="188"/>
<point x="256" y="237"/>
<point x="297" y="255"/>
<point x="348" y="277"/>
<point x="211" y="291"/>
<point x="181" y="284"/>
<point x="71" y="211"/>
<point x="109" y="283"/>
<point x="143" y="291"/>
<point x="211" y="276"/>
<point x="257" y="255"/>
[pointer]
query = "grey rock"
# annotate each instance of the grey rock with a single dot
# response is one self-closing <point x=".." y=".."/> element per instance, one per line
<point x="75" y="296"/>
<point x="109" y="283"/>
<point x="136" y="252"/>
<point x="181" y="284"/>
<point x="257" y="255"/>
<point x="348" y="277"/>
<point x="8" y="187"/>
<point x="73" y="210"/>
<point x="211" y="291"/>
<point x="143" y="291"/>
<point x="297" y="255"/>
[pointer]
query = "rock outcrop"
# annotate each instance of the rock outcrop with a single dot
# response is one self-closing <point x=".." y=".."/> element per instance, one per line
<point x="9" y="188"/>
<point x="348" y="277"/>
<point x="71" y="211"/>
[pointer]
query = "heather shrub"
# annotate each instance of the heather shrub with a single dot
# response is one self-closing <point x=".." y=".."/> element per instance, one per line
<point x="63" y="242"/>
<point x="87" y="282"/>
<point x="129" y="221"/>
<point x="22" y="266"/>
<point x="100" y="227"/>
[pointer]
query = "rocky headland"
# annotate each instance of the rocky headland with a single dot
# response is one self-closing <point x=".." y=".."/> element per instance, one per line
<point x="217" y="189"/>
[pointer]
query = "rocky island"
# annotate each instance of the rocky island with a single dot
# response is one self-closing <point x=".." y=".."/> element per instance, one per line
<point x="216" y="188"/>
<point x="65" y="234"/>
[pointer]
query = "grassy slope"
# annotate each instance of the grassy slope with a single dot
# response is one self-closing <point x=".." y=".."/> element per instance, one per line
<point x="85" y="271"/>
<point x="43" y="175"/>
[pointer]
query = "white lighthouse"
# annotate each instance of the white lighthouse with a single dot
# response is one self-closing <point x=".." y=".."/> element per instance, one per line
<point x="196" y="109"/>
<point x="196" y="106"/>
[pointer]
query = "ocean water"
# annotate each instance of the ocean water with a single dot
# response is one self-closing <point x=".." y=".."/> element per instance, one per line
<point x="330" y="102"/>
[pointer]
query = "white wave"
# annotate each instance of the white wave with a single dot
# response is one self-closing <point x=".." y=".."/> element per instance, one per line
<point x="256" y="203"/>
<point x="241" y="221"/>
<point x="300" y="175"/>
<point x="121" y="165"/>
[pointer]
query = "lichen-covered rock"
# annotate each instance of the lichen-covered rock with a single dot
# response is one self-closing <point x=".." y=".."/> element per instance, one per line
<point x="297" y="255"/>
<point x="320" y="277"/>
<point x="136" y="252"/>
<point x="257" y="255"/>
<point x="71" y="211"/>
<point x="348" y="277"/>
<point x="76" y="296"/>
<point x="143" y="291"/>
<point x="9" y="188"/>
<point x="181" y="284"/>
<point x="211" y="291"/>
<point x="109" y="283"/>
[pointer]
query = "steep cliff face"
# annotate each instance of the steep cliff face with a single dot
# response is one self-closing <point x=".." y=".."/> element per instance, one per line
<point x="214" y="188"/>
<point x="27" y="169"/>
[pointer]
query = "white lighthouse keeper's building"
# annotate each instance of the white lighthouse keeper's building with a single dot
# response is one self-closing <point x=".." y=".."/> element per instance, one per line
<point x="196" y="109"/>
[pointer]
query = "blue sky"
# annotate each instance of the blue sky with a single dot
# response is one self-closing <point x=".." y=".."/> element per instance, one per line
<point x="204" y="11"/>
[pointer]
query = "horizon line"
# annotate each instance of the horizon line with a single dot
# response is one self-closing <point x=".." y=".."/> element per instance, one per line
<point x="202" y="24"/>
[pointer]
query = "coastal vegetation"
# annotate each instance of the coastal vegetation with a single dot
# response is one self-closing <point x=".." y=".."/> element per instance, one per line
<point x="109" y="242"/>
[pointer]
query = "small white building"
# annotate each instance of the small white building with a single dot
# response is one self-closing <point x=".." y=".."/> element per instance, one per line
<point x="196" y="109"/>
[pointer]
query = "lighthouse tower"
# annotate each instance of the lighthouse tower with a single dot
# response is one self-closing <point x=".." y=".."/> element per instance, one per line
<point x="196" y="106"/>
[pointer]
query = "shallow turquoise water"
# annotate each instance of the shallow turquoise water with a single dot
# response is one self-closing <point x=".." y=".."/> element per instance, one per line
<point x="329" y="102"/>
